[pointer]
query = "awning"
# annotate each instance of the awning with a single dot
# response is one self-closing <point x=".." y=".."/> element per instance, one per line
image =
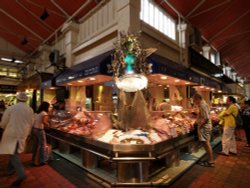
<point x="162" y="65"/>
<point x="225" y="89"/>
<point x="227" y="80"/>
<point x="201" y="63"/>
<point x="91" y="67"/>
<point x="50" y="82"/>
<point x="35" y="81"/>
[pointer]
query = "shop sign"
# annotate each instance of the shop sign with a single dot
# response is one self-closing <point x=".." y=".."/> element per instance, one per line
<point x="8" y="89"/>
<point x="194" y="79"/>
<point x="212" y="84"/>
<point x="91" y="71"/>
<point x="165" y="69"/>
<point x="46" y="84"/>
<point x="80" y="74"/>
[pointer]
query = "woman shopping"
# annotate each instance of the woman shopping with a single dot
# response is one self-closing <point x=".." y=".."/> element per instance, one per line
<point x="41" y="122"/>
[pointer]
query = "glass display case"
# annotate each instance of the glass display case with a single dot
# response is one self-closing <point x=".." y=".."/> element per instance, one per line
<point x="133" y="157"/>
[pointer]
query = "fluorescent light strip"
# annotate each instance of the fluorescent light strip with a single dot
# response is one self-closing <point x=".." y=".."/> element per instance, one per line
<point x="6" y="59"/>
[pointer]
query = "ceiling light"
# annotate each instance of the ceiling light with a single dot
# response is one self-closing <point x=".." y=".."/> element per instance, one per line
<point x="164" y="77"/>
<point x="6" y="59"/>
<point x="240" y="84"/>
<point x="24" y="41"/>
<point x="91" y="78"/>
<point x="44" y="15"/>
<point x="71" y="77"/>
<point x="80" y="81"/>
<point x="18" y="61"/>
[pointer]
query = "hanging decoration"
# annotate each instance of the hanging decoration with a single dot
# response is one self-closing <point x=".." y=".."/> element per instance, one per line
<point x="129" y="66"/>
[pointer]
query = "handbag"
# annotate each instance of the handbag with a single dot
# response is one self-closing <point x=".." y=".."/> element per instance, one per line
<point x="238" y="120"/>
<point x="29" y="144"/>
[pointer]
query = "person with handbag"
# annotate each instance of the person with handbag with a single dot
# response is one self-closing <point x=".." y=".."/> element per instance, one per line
<point x="39" y="145"/>
<point x="17" y="122"/>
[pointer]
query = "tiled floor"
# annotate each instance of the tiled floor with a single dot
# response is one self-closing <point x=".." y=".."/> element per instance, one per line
<point x="232" y="171"/>
<point x="229" y="172"/>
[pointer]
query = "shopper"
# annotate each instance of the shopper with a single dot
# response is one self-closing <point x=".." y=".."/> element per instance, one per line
<point x="239" y="123"/>
<point x="164" y="106"/>
<point x="17" y="123"/>
<point x="229" y="125"/>
<point x="204" y="128"/>
<point x="2" y="108"/>
<point x="246" y="120"/>
<point x="39" y="145"/>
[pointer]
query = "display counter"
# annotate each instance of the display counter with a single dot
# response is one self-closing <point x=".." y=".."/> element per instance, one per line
<point x="131" y="163"/>
<point x="138" y="161"/>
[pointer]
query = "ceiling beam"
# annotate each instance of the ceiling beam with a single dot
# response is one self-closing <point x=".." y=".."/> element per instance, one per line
<point x="195" y="8"/>
<point x="47" y="27"/>
<point x="3" y="30"/>
<point x="60" y="27"/>
<point x="231" y="47"/>
<point x="243" y="54"/>
<point x="229" y="25"/>
<point x="21" y="24"/>
<point x="211" y="8"/>
<point x="60" y="8"/>
<point x="42" y="7"/>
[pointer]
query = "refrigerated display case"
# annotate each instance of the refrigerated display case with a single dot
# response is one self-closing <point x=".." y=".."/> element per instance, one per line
<point x="121" y="158"/>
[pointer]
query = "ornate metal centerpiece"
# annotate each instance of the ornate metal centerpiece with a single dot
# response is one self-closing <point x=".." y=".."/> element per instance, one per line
<point x="129" y="65"/>
<point x="130" y="70"/>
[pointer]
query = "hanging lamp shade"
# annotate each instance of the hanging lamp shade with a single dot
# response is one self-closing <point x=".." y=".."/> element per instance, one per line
<point x="132" y="82"/>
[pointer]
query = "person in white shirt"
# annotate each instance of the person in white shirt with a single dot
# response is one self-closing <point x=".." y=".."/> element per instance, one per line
<point x="204" y="124"/>
<point x="39" y="145"/>
<point x="17" y="122"/>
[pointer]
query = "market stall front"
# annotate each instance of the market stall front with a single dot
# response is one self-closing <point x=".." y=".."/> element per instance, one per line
<point x="122" y="141"/>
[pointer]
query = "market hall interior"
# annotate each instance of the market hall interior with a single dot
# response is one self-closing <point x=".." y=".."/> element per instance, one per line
<point x="119" y="77"/>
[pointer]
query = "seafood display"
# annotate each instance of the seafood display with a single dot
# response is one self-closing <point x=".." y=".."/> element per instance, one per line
<point x="98" y="125"/>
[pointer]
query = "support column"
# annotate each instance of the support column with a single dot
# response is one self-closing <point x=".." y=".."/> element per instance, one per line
<point x="43" y="63"/>
<point x="128" y="12"/>
<point x="206" y="51"/>
<point x="70" y="31"/>
<point x="182" y="28"/>
<point x="183" y="43"/>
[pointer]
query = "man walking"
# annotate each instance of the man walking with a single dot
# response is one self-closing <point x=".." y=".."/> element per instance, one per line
<point x="17" y="122"/>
